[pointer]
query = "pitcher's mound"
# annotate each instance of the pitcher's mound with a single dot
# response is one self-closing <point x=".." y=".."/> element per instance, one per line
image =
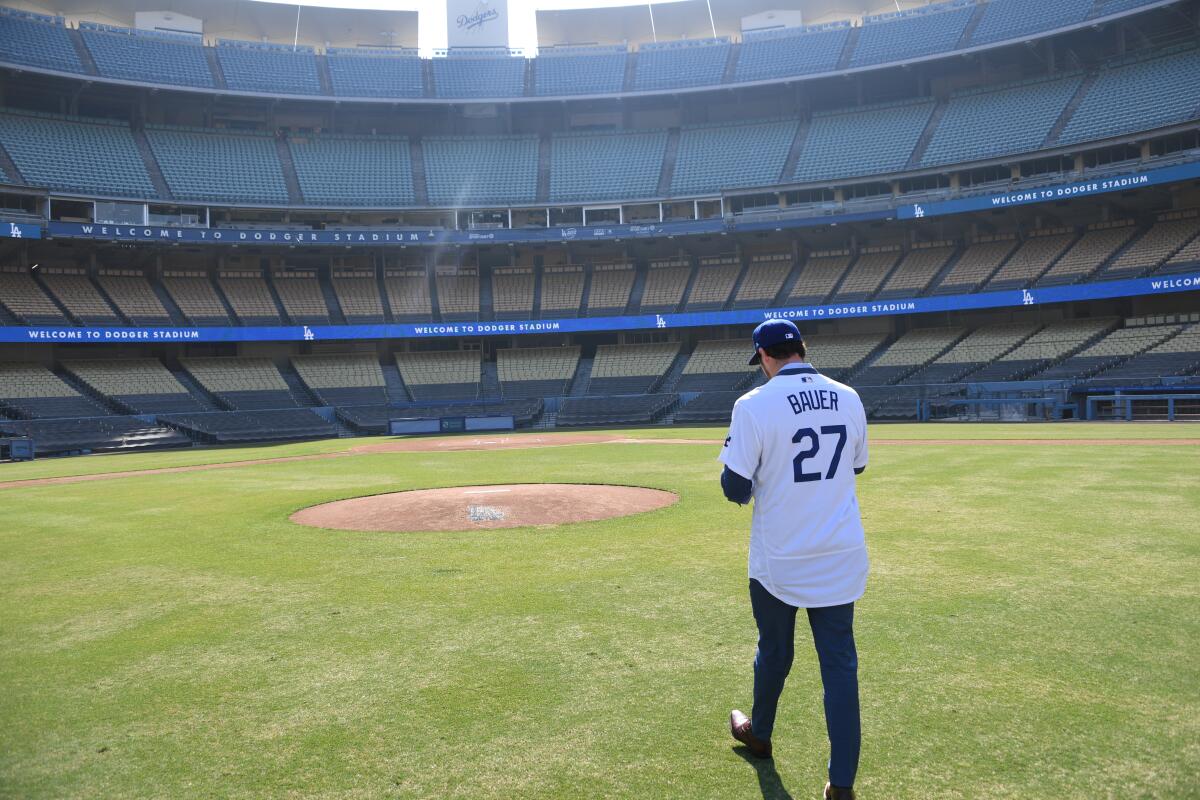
<point x="465" y="508"/>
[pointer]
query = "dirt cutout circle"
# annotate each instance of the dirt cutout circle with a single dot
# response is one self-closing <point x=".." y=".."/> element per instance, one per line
<point x="467" y="508"/>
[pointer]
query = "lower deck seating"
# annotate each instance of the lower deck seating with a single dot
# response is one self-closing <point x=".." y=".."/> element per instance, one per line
<point x="1118" y="346"/>
<point x="637" y="410"/>
<point x="374" y="419"/>
<point x="96" y="434"/>
<point x="708" y="407"/>
<point x="441" y="375"/>
<point x="1178" y="355"/>
<point x="906" y="354"/>
<point x="220" y="427"/>
<point x="242" y="383"/>
<point x="343" y="379"/>
<point x="32" y="391"/>
<point x="1048" y="345"/>
<point x="536" y="371"/>
<point x="140" y="385"/>
<point x="717" y="365"/>
<point x="630" y="368"/>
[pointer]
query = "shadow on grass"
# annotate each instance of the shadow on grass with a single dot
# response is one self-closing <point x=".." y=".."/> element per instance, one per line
<point x="769" y="782"/>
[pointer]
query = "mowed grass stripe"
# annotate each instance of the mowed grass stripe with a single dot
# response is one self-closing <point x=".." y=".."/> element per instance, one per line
<point x="1029" y="629"/>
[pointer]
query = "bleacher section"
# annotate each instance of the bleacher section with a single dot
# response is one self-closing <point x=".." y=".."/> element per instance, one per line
<point x="838" y="355"/>
<point x="818" y="277"/>
<point x="37" y="40"/>
<point x="917" y="270"/>
<point x="714" y="282"/>
<point x="870" y="141"/>
<point x="665" y="281"/>
<point x="641" y="410"/>
<point x="562" y="290"/>
<point x="140" y="386"/>
<point x="1043" y="348"/>
<point x="868" y="272"/>
<point x="792" y="51"/>
<point x="441" y="375"/>
<point x="24" y="299"/>
<point x="903" y="35"/>
<point x="677" y="64"/>
<point x="242" y="383"/>
<point x="536" y="371"/>
<point x="249" y="296"/>
<point x="133" y="296"/>
<point x="764" y="278"/>
<point x="374" y="73"/>
<point x="30" y="391"/>
<point x="1170" y="233"/>
<point x="1031" y="259"/>
<point x="202" y="164"/>
<point x="193" y="292"/>
<point x="501" y="75"/>
<point x="458" y="292"/>
<point x="358" y="295"/>
<point x="713" y="158"/>
<point x="302" y="298"/>
<point x="1178" y="355"/>
<point x="978" y="261"/>
<point x="463" y="170"/>
<point x="512" y="292"/>
<point x="1010" y="19"/>
<point x="1093" y="249"/>
<point x="408" y="295"/>
<point x="718" y="365"/>
<point x="79" y="296"/>
<point x="147" y="56"/>
<point x="630" y="368"/>
<point x="76" y="155"/>
<point x="266" y="67"/>
<point x="611" y="285"/>
<point x="343" y="379"/>
<point x="1117" y="346"/>
<point x="252" y="426"/>
<point x="605" y="166"/>
<point x="343" y="171"/>
<point x="580" y="70"/>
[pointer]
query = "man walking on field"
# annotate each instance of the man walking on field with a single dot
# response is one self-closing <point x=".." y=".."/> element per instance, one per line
<point x="795" y="446"/>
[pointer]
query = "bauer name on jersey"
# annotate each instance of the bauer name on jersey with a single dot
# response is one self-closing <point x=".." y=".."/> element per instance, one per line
<point x="801" y="438"/>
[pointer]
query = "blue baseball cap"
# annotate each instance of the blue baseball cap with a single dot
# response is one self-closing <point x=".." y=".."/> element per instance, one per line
<point x="771" y="333"/>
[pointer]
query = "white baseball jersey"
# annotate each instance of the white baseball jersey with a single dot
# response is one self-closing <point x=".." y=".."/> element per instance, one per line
<point x="799" y="438"/>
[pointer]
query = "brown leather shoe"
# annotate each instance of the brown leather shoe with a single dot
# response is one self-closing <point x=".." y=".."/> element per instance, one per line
<point x="834" y="793"/>
<point x="739" y="726"/>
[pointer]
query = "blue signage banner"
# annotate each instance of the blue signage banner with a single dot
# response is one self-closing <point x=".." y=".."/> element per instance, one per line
<point x="20" y="230"/>
<point x="874" y="308"/>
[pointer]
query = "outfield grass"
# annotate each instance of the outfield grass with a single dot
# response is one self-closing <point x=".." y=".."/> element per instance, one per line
<point x="1030" y="630"/>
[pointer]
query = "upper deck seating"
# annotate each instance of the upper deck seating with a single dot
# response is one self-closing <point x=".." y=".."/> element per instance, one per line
<point x="679" y="64"/>
<point x="630" y="368"/>
<point x="147" y="56"/>
<point x="536" y="371"/>
<point x="196" y="297"/>
<point x="1012" y="19"/>
<point x="1031" y="259"/>
<point x="764" y="278"/>
<point x="714" y="282"/>
<point x="441" y="375"/>
<point x="1086" y="255"/>
<point x="981" y="258"/>
<point x="140" y="385"/>
<point x="791" y="51"/>
<point x="717" y="365"/>
<point x="837" y="355"/>
<point x="201" y="164"/>
<point x="471" y="170"/>
<point x="981" y="346"/>
<point x="1051" y="343"/>
<point x="562" y="290"/>
<point x="133" y="296"/>
<point x="611" y="285"/>
<point x="24" y="299"/>
<point x="242" y="383"/>
<point x="606" y="166"/>
<point x="303" y="300"/>
<point x="638" y="410"/>
<point x="249" y="296"/>
<point x="869" y="141"/>
<point x="512" y="292"/>
<point x="37" y="40"/>
<point x="904" y="35"/>
<point x="268" y="68"/>
<point x="408" y="294"/>
<point x="1170" y="233"/>
<point x="712" y="158"/>
<point x="79" y="296"/>
<point x="500" y="75"/>
<point x="580" y="70"/>
<point x="355" y="72"/>
<point x="354" y="170"/>
<point x="458" y="292"/>
<point x="253" y="426"/>
<point x="819" y="275"/>
<point x="31" y="391"/>
<point x="665" y="281"/>
<point x="867" y="273"/>
<point x="917" y="270"/>
<point x="358" y="294"/>
<point x="348" y="379"/>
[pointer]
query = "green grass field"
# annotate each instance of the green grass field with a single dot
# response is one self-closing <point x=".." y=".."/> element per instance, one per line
<point x="1031" y="629"/>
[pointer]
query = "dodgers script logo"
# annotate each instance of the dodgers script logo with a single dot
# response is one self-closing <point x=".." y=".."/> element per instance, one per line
<point x="14" y="230"/>
<point x="483" y="14"/>
<point x="308" y="334"/>
<point x="1027" y="298"/>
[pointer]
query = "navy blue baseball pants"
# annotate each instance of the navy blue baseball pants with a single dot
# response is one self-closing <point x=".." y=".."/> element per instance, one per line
<point x="833" y="635"/>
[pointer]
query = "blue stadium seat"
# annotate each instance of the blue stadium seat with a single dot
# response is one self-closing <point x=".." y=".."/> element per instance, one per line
<point x="471" y="171"/>
<point x="791" y="51"/>
<point x="1138" y="96"/>
<point x="1105" y="7"/>
<point x="676" y="65"/>
<point x="716" y="157"/>
<point x="202" y="164"/>
<point x="354" y="170"/>
<point x="1010" y="19"/>
<point x="37" y="41"/>
<point x="81" y="155"/>
<point x="580" y="70"/>
<point x="995" y="122"/>
<point x="459" y="75"/>
<point x="911" y="34"/>
<point x="869" y="141"/>
<point x="265" y="67"/>
<point x="374" y="73"/>
<point x="147" y="56"/>
<point x="606" y="166"/>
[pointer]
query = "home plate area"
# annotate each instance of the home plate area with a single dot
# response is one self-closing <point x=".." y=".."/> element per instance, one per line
<point x="464" y="508"/>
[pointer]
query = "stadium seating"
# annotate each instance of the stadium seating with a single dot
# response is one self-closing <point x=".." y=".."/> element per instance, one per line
<point x="1170" y="233"/>
<point x="347" y="379"/>
<point x="343" y="171"/>
<point x="79" y="296"/>
<point x="300" y="292"/>
<point x="606" y="166"/>
<point x="819" y="275"/>
<point x="201" y="164"/>
<point x="917" y="270"/>
<point x="665" y="281"/>
<point x="134" y="297"/>
<point x="630" y="368"/>
<point x="981" y="346"/>
<point x="31" y="391"/>
<point x="1011" y="19"/>
<point x="267" y="67"/>
<point x="536" y="371"/>
<point x="717" y="365"/>
<point x="866" y="275"/>
<point x="147" y="56"/>
<point x="999" y="121"/>
<point x="609" y="292"/>
<point x="1031" y="259"/>
<point x="791" y="51"/>
<point x="912" y="350"/>
<point x="24" y="299"/>
<point x="512" y="292"/>
<point x="139" y="385"/>
<point x="1120" y="345"/>
<point x="1137" y="96"/>
<point x="408" y="295"/>
<point x="458" y="293"/>
<point x="74" y="154"/>
<point x="904" y="35"/>
<point x="714" y="282"/>
<point x="90" y="435"/>
<point x="981" y="258"/>
<point x="196" y="297"/>
<point x="562" y="290"/>
<point x="242" y="383"/>
<point x="1177" y="355"/>
<point x="471" y="170"/>
<point x="441" y="375"/>
<point x="838" y="355"/>
<point x="501" y="75"/>
<point x="709" y="407"/>
<point x="249" y="297"/>
<point x="1093" y="249"/>
<point x="639" y="410"/>
<point x="679" y="64"/>
<point x="374" y="419"/>
<point x="869" y="141"/>
<point x="764" y="278"/>
<point x="226" y="427"/>
<point x="374" y="73"/>
<point x="580" y="70"/>
<point x="712" y="158"/>
<point x="1186" y="259"/>
<point x="1048" y="345"/>
<point x="358" y="295"/>
<point x="37" y="40"/>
